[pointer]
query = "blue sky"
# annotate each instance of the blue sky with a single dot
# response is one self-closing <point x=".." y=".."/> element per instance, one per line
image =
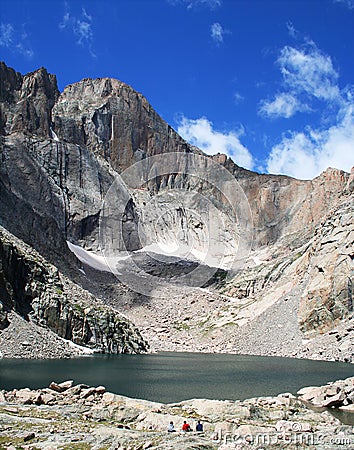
<point x="269" y="82"/>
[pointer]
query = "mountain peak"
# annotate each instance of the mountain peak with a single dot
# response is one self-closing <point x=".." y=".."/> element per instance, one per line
<point x="29" y="101"/>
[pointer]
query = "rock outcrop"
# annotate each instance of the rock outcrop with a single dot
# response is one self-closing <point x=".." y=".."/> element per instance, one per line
<point x="328" y="296"/>
<point x="339" y="394"/>
<point x="26" y="102"/>
<point x="35" y="290"/>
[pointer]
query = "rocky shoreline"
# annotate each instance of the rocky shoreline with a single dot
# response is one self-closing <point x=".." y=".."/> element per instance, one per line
<point x="166" y="330"/>
<point x="68" y="416"/>
<point x="24" y="339"/>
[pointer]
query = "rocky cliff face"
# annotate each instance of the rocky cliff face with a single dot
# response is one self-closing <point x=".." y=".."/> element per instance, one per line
<point x="36" y="291"/>
<point x="103" y="126"/>
<point x="328" y="297"/>
<point x="26" y="102"/>
<point x="113" y="121"/>
<point x="118" y="124"/>
<point x="60" y="153"/>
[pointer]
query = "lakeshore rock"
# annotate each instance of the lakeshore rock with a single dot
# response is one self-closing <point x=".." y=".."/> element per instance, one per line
<point x="339" y="394"/>
<point x="72" y="419"/>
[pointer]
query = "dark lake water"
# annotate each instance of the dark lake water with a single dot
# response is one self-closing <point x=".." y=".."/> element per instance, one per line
<point x="172" y="377"/>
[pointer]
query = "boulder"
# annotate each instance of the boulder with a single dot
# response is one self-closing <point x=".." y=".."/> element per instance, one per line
<point x="66" y="385"/>
<point x="109" y="397"/>
<point x="334" y="400"/>
<point x="347" y="408"/>
<point x="334" y="394"/>
<point x="100" y="390"/>
<point x="26" y="396"/>
<point x="224" y="428"/>
<point x="47" y="390"/>
<point x="55" y="387"/>
<point x="48" y="399"/>
<point x="85" y="393"/>
<point x="124" y="414"/>
<point x="75" y="390"/>
<point x="310" y="392"/>
<point x="28" y="437"/>
<point x="331" y="390"/>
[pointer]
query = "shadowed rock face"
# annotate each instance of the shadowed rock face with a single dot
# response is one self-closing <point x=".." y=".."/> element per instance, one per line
<point x="36" y="291"/>
<point x="27" y="102"/>
<point x="60" y="152"/>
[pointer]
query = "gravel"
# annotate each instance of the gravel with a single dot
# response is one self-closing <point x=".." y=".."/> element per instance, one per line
<point x="24" y="339"/>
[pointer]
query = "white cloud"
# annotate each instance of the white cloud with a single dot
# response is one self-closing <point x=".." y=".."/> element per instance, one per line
<point x="200" y="132"/>
<point x="310" y="72"/>
<point x="292" y="30"/>
<point x="217" y="33"/>
<point x="212" y="4"/>
<point x="14" y="41"/>
<point x="308" y="75"/>
<point x="238" y="98"/>
<point x="6" y="34"/>
<point x="284" y="105"/>
<point x="83" y="31"/>
<point x="80" y="27"/>
<point x="348" y="3"/>
<point x="21" y="48"/>
<point x="65" y="22"/>
<point x="305" y="155"/>
<point x="87" y="16"/>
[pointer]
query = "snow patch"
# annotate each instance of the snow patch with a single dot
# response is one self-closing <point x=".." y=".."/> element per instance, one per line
<point x="54" y="135"/>
<point x="98" y="262"/>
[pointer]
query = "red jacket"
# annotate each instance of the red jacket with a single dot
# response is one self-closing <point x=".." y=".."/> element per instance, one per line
<point x="186" y="427"/>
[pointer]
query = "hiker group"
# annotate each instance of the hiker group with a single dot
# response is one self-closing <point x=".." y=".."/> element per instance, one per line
<point x="186" y="427"/>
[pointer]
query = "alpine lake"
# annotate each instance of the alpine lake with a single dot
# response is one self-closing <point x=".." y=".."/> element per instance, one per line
<point x="170" y="377"/>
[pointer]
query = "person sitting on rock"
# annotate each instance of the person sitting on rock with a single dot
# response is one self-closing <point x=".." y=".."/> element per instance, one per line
<point x="186" y="427"/>
<point x="199" y="426"/>
<point x="171" y="428"/>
